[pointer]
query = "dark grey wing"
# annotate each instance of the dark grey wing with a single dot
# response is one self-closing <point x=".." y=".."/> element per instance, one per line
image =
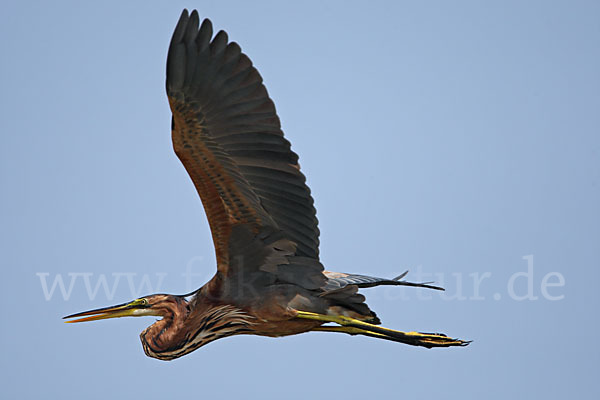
<point x="228" y="136"/>
<point x="339" y="280"/>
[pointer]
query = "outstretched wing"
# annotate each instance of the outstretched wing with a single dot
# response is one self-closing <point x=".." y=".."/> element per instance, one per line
<point x="228" y="136"/>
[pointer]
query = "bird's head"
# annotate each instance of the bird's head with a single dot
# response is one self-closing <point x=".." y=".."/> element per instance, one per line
<point x="180" y="331"/>
<point x="164" y="334"/>
<point x="158" y="305"/>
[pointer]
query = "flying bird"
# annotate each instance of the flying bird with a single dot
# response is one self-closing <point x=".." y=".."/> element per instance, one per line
<point x="269" y="279"/>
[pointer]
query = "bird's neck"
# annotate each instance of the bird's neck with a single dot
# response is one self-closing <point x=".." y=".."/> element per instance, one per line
<point x="186" y="330"/>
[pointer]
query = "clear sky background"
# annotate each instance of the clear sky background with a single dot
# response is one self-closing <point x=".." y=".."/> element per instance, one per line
<point x="459" y="139"/>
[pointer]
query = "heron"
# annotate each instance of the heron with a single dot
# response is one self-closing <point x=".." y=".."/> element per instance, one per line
<point x="269" y="279"/>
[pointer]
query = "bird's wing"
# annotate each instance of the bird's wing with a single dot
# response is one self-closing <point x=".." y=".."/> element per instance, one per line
<point x="228" y="136"/>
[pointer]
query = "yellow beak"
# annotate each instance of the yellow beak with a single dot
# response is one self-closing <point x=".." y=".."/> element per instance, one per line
<point x="136" y="308"/>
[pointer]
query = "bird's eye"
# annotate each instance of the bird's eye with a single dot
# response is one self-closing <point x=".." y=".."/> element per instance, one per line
<point x="144" y="302"/>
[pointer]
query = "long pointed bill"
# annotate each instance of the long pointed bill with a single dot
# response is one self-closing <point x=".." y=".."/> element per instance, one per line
<point x="136" y="308"/>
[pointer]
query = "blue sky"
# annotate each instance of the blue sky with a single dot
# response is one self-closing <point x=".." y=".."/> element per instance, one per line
<point x="459" y="140"/>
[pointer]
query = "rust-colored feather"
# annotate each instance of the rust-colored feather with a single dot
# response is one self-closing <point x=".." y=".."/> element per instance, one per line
<point x="223" y="202"/>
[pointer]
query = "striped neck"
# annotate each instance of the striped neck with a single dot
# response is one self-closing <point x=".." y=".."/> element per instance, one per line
<point x="177" y="335"/>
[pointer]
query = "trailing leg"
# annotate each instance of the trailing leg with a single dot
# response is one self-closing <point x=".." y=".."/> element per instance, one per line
<point x="355" y="327"/>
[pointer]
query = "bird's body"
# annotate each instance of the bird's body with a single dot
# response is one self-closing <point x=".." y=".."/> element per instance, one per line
<point x="269" y="279"/>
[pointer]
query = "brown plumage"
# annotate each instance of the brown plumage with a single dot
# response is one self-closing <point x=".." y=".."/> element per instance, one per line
<point x="269" y="280"/>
